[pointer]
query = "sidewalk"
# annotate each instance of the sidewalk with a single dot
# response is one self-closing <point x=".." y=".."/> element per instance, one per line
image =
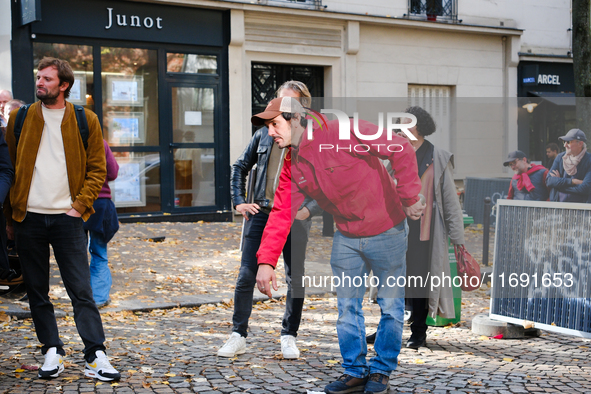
<point x="196" y="264"/>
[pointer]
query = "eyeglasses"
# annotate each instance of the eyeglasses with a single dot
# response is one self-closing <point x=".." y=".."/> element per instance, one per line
<point x="570" y="142"/>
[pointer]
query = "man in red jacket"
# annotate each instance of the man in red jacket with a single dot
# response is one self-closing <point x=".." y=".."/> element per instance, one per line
<point x="347" y="180"/>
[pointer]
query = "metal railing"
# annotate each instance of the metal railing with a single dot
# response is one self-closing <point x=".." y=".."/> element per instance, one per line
<point x="305" y="4"/>
<point x="433" y="10"/>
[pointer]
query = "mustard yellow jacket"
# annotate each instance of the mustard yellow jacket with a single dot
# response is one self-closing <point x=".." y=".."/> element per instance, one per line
<point x="86" y="168"/>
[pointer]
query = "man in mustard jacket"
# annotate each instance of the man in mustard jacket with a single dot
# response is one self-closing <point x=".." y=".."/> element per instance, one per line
<point x="56" y="182"/>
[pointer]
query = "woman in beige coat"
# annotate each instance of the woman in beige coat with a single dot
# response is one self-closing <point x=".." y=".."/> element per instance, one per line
<point x="427" y="254"/>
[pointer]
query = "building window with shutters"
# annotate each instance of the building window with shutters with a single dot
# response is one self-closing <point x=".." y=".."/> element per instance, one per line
<point x="437" y="101"/>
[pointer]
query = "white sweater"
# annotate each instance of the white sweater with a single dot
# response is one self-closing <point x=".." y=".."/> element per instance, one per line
<point x="50" y="190"/>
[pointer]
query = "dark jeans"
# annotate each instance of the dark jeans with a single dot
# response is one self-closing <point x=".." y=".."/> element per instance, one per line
<point x="68" y="240"/>
<point x="294" y="254"/>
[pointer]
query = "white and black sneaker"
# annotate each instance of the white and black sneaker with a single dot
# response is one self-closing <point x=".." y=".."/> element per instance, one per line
<point x="101" y="368"/>
<point x="53" y="365"/>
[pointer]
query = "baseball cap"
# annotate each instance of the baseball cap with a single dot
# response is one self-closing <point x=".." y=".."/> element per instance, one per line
<point x="574" y="134"/>
<point x="514" y="155"/>
<point x="275" y="108"/>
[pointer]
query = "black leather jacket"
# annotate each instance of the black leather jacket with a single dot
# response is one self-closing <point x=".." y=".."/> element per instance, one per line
<point x="258" y="152"/>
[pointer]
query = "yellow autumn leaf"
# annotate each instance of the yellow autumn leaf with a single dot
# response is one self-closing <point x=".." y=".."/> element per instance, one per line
<point x="508" y="359"/>
<point x="419" y="361"/>
<point x="484" y="338"/>
<point x="165" y="383"/>
<point x="98" y="383"/>
<point x="114" y="384"/>
<point x="170" y="375"/>
<point x="19" y="370"/>
<point x="332" y="362"/>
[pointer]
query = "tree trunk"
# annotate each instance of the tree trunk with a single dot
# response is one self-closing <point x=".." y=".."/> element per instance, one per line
<point x="582" y="62"/>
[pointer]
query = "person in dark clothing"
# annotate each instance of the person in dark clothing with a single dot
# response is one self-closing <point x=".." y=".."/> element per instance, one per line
<point x="6" y="176"/>
<point x="529" y="181"/>
<point x="268" y="156"/>
<point x="570" y="176"/>
<point x="552" y="150"/>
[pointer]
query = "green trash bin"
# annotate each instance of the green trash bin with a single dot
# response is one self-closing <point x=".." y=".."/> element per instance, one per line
<point x="457" y="291"/>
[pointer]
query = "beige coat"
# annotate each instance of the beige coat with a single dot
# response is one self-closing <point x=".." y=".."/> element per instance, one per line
<point x="447" y="222"/>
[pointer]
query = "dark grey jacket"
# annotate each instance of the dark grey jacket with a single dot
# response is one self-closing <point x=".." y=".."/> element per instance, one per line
<point x="564" y="183"/>
<point x="258" y="152"/>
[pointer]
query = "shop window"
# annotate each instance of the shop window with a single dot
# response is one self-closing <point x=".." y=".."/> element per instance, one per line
<point x="191" y="63"/>
<point x="137" y="187"/>
<point x="192" y="113"/>
<point x="194" y="177"/>
<point x="130" y="96"/>
<point x="81" y="61"/>
<point x="193" y="122"/>
<point x="437" y="101"/>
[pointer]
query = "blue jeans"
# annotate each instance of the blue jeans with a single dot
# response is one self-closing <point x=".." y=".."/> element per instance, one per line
<point x="68" y="240"/>
<point x="385" y="254"/>
<point x="100" y="274"/>
<point x="294" y="254"/>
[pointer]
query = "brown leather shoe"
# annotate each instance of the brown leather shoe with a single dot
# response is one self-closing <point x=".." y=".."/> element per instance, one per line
<point x="377" y="384"/>
<point x="346" y="384"/>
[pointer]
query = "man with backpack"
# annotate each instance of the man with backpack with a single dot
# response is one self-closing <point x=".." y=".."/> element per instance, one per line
<point x="59" y="161"/>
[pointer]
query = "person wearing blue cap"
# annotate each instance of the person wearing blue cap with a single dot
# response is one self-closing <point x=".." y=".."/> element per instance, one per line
<point x="570" y="176"/>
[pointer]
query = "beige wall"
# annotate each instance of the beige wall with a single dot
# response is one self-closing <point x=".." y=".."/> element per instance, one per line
<point x="364" y="59"/>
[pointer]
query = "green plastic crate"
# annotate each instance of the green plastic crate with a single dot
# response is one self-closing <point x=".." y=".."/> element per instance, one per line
<point x="457" y="291"/>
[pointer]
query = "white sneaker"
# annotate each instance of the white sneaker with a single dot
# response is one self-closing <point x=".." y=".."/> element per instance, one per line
<point x="288" y="347"/>
<point x="53" y="365"/>
<point x="407" y="315"/>
<point x="101" y="368"/>
<point x="236" y="344"/>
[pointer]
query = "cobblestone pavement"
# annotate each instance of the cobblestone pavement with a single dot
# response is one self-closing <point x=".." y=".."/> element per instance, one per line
<point x="175" y="351"/>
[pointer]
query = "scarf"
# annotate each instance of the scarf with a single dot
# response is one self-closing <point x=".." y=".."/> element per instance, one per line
<point x="523" y="180"/>
<point x="571" y="162"/>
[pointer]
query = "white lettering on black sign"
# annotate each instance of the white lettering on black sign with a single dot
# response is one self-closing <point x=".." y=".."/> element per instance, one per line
<point x="134" y="21"/>
<point x="544" y="79"/>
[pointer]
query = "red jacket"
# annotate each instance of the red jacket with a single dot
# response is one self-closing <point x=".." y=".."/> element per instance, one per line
<point x="354" y="187"/>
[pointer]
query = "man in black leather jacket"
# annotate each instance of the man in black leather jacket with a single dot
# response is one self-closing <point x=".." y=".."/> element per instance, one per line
<point x="268" y="157"/>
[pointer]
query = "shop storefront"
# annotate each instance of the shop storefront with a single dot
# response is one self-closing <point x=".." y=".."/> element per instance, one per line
<point x="157" y="78"/>
<point x="546" y="105"/>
